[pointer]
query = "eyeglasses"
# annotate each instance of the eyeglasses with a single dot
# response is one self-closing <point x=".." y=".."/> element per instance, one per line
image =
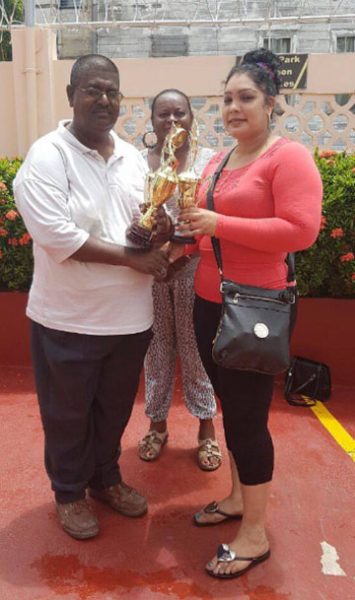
<point x="96" y="94"/>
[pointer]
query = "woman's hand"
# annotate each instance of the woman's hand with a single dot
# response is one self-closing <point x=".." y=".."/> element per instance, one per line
<point x="174" y="251"/>
<point x="197" y="221"/>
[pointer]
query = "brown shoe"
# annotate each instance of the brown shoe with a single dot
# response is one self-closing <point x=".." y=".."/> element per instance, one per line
<point x="77" y="519"/>
<point x="123" y="499"/>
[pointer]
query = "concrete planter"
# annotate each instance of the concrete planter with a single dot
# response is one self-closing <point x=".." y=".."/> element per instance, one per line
<point x="14" y="329"/>
<point x="324" y="332"/>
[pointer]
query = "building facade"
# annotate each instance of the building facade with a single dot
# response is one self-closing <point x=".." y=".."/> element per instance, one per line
<point x="151" y="28"/>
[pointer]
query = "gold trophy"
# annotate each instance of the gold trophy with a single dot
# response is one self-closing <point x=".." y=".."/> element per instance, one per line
<point x="160" y="186"/>
<point x="188" y="183"/>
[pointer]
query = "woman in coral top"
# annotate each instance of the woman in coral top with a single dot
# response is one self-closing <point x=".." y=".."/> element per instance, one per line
<point x="268" y="203"/>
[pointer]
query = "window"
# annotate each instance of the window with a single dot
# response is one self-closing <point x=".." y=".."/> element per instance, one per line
<point x="169" y="45"/>
<point x="346" y="43"/>
<point x="280" y="45"/>
<point x="69" y="4"/>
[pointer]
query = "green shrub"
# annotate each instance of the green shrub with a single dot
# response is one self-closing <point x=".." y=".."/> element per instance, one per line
<point x="16" y="262"/>
<point x="328" y="267"/>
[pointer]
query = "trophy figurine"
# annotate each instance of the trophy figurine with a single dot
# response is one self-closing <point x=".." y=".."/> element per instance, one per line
<point x="188" y="183"/>
<point x="159" y="186"/>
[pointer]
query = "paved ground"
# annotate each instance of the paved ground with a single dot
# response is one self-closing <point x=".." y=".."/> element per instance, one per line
<point x="311" y="521"/>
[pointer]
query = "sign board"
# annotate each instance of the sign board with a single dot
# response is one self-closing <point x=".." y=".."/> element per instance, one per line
<point x="293" y="72"/>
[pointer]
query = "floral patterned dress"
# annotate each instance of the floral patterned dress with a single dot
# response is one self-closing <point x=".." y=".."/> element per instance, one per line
<point x="174" y="336"/>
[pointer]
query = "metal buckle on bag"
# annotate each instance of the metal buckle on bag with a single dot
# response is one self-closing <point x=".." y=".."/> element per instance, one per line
<point x="288" y="296"/>
<point x="221" y="287"/>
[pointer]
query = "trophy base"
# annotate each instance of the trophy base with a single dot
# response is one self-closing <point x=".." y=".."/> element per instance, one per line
<point x="138" y="235"/>
<point x="179" y="239"/>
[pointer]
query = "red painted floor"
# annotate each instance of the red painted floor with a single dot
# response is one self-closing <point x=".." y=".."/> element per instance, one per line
<point x="161" y="556"/>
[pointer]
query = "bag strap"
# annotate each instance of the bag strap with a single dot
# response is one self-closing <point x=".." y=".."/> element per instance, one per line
<point x="295" y="397"/>
<point x="300" y="400"/>
<point x="290" y="259"/>
<point x="301" y="387"/>
<point x="210" y="205"/>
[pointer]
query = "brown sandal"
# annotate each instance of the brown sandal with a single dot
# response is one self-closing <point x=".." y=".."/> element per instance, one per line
<point x="149" y="448"/>
<point x="209" y="449"/>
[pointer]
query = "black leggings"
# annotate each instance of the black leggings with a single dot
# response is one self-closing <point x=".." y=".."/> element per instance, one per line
<point x="245" y="398"/>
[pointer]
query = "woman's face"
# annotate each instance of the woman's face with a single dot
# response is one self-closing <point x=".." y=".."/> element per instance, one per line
<point x="170" y="108"/>
<point x="246" y="109"/>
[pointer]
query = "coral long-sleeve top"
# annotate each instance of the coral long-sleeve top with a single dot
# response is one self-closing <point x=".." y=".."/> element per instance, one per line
<point x="265" y="210"/>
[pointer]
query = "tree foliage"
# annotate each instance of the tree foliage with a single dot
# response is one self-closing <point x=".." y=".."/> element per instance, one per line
<point x="12" y="11"/>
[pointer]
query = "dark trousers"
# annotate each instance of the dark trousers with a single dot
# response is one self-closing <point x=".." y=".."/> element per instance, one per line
<point x="86" y="386"/>
<point x="245" y="398"/>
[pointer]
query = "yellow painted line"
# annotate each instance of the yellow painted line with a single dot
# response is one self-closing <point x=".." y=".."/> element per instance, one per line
<point x="337" y="431"/>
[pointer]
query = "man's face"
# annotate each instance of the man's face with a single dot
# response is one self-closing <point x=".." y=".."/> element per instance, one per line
<point x="95" y="113"/>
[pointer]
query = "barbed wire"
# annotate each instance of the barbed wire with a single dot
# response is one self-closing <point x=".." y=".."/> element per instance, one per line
<point x="153" y="13"/>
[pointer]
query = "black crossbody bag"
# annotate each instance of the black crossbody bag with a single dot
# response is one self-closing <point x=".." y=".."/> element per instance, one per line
<point x="254" y="330"/>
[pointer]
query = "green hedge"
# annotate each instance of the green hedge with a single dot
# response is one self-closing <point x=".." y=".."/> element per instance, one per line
<point x="327" y="269"/>
<point x="16" y="262"/>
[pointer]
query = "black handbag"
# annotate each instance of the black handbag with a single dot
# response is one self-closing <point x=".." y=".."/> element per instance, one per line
<point x="254" y="329"/>
<point x="307" y="381"/>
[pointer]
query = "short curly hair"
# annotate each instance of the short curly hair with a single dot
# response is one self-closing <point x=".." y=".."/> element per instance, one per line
<point x="88" y="61"/>
<point x="173" y="91"/>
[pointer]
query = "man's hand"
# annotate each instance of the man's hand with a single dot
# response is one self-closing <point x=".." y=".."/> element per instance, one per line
<point x="154" y="262"/>
<point x="174" y="250"/>
<point x="163" y="227"/>
<point x="197" y="221"/>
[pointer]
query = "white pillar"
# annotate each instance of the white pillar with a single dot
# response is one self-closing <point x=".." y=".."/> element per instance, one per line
<point x="33" y="56"/>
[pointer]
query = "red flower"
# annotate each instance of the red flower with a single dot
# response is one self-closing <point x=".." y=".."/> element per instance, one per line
<point x="24" y="239"/>
<point x="1" y="258"/>
<point x="323" y="223"/>
<point x="11" y="215"/>
<point x="3" y="232"/>
<point x="337" y="232"/>
<point x="3" y="186"/>
<point x="326" y="153"/>
<point x="347" y="257"/>
<point x="353" y="277"/>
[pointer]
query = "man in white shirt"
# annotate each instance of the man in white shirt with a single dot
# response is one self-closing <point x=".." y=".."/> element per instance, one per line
<point x="90" y="302"/>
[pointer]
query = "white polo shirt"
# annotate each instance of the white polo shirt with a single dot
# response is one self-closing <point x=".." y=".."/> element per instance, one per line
<point x="66" y="192"/>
